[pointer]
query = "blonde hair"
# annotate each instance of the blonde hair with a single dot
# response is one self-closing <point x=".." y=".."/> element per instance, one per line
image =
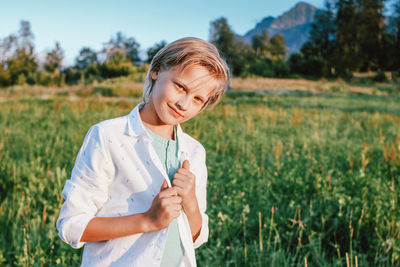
<point x="185" y="53"/>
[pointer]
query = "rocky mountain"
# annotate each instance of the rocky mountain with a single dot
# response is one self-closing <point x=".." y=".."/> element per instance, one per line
<point x="294" y="25"/>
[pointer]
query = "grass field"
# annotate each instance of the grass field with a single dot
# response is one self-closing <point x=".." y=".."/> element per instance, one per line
<point x="295" y="177"/>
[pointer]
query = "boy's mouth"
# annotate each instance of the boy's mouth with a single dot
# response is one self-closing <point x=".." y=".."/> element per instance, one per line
<point x="175" y="111"/>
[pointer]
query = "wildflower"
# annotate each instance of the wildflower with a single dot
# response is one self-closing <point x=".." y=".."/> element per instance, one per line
<point x="243" y="193"/>
<point x="276" y="208"/>
<point x="244" y="199"/>
<point x="219" y="223"/>
<point x="228" y="247"/>
<point x="275" y="173"/>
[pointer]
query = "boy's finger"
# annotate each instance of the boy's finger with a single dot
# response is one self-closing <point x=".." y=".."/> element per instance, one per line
<point x="186" y="164"/>
<point x="164" y="186"/>
<point x="183" y="171"/>
<point x="168" y="192"/>
<point x="176" y="200"/>
<point x="180" y="191"/>
<point x="178" y="182"/>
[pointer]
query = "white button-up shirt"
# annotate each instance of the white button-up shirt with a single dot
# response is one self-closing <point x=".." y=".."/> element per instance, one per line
<point x="117" y="173"/>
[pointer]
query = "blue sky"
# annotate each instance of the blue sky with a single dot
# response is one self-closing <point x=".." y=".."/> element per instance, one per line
<point x="76" y="24"/>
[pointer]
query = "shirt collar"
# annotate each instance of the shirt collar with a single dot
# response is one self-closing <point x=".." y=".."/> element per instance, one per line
<point x="136" y="128"/>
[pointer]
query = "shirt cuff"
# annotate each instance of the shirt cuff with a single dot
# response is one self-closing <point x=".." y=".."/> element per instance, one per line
<point x="71" y="230"/>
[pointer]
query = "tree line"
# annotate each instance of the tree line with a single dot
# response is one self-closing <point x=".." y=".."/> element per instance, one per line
<point x="19" y="63"/>
<point x="350" y="36"/>
<point x="347" y="36"/>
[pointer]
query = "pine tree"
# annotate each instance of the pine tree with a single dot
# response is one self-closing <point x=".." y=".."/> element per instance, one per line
<point x="370" y="33"/>
<point x="347" y="50"/>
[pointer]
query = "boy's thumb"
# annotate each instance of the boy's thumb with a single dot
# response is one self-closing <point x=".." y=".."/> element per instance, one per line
<point x="164" y="186"/>
<point x="186" y="164"/>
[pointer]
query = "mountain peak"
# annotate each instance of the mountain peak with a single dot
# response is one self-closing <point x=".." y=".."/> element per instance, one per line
<point x="301" y="13"/>
<point x="294" y="25"/>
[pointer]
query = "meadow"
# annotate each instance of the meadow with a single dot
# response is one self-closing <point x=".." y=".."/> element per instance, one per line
<point x="296" y="178"/>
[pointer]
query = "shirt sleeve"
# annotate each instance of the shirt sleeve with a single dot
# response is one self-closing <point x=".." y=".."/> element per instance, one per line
<point x="201" y="192"/>
<point x="87" y="189"/>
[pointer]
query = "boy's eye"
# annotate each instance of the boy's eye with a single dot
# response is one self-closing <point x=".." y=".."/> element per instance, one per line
<point x="180" y="86"/>
<point x="198" y="99"/>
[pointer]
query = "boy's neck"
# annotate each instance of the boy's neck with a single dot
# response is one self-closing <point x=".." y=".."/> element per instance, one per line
<point x="163" y="130"/>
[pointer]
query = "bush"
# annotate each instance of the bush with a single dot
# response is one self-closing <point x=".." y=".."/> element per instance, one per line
<point x="281" y="68"/>
<point x="103" y="91"/>
<point x="296" y="63"/>
<point x="262" y="67"/>
<point x="380" y="76"/>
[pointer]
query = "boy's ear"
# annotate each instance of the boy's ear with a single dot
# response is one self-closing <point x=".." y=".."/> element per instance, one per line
<point x="153" y="75"/>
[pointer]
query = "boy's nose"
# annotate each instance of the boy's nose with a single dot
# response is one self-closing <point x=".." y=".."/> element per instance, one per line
<point x="183" y="103"/>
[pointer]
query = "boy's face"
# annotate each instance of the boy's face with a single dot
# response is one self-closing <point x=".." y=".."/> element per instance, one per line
<point x="179" y="96"/>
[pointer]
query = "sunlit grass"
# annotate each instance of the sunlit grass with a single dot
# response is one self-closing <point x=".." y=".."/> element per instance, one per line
<point x="293" y="178"/>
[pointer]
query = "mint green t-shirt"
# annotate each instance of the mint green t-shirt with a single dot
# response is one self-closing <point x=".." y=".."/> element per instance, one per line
<point x="167" y="151"/>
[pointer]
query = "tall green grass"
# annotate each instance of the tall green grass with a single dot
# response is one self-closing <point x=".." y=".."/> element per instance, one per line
<point x="294" y="180"/>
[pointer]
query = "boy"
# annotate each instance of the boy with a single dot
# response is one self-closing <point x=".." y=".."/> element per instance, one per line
<point x="137" y="193"/>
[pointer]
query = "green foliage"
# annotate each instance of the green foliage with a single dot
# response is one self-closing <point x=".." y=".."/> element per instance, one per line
<point x="86" y="58"/>
<point x="262" y="67"/>
<point x="277" y="47"/>
<point x="152" y="51"/>
<point x="310" y="65"/>
<point x="232" y="49"/>
<point x="281" y="68"/>
<point x="54" y="59"/>
<point x="21" y="65"/>
<point x="103" y="91"/>
<point x="260" y="43"/>
<point x="380" y="76"/>
<point x="123" y="45"/>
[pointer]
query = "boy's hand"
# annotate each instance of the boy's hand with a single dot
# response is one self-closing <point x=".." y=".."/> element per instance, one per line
<point x="185" y="184"/>
<point x="166" y="206"/>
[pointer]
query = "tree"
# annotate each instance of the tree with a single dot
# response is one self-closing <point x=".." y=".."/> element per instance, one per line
<point x="260" y="43"/>
<point x="8" y="46"/>
<point x="22" y="65"/>
<point x="26" y="36"/>
<point x="317" y="54"/>
<point x="277" y="47"/>
<point x="347" y="50"/>
<point x="323" y="36"/>
<point x="152" y="51"/>
<point x="371" y="30"/>
<point x="359" y="34"/>
<point x="54" y="58"/>
<point x="86" y="57"/>
<point x="128" y="46"/>
<point x="397" y="19"/>
<point x="18" y="57"/>
<point x="222" y="37"/>
<point x="237" y="54"/>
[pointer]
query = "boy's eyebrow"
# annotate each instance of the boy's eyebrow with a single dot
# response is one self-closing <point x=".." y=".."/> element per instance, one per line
<point x="181" y="83"/>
